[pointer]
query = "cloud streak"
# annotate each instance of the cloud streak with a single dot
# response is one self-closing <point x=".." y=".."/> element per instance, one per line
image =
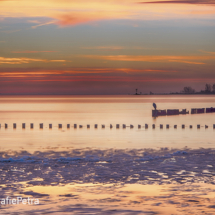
<point x="207" y="2"/>
<point x="72" y="13"/>
<point x="151" y="58"/>
<point x="4" y="60"/>
<point x="78" y="71"/>
<point x="29" y="52"/>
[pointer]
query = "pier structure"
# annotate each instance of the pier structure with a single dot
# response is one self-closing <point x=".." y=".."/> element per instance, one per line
<point x="168" y="112"/>
<point x="210" y="110"/>
<point x="118" y="126"/>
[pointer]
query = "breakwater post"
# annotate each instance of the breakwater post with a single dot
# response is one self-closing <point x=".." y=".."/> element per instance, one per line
<point x="14" y="125"/>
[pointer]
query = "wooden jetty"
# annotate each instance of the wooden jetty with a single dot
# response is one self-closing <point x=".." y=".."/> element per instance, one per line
<point x="210" y="110"/>
<point x="197" y="110"/>
<point x="168" y="112"/>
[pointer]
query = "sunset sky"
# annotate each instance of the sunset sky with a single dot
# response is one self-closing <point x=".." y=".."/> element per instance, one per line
<point x="106" y="46"/>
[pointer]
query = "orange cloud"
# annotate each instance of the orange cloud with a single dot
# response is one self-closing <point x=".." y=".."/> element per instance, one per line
<point x="105" y="47"/>
<point x="75" y="18"/>
<point x="151" y="58"/>
<point x="29" y="52"/>
<point x="80" y="71"/>
<point x="23" y="60"/>
<point x="116" y="48"/>
<point x="84" y="11"/>
<point x="211" y="53"/>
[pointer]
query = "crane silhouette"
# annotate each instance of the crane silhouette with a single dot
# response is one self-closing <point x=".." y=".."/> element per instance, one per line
<point x="155" y="106"/>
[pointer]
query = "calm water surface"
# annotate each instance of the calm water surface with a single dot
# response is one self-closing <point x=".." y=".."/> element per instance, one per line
<point x="107" y="171"/>
<point x="83" y="110"/>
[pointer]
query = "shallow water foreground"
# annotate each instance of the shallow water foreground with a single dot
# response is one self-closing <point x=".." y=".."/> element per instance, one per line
<point x="95" y="181"/>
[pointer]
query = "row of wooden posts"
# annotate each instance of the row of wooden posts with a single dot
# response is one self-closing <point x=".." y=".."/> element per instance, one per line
<point x="60" y="126"/>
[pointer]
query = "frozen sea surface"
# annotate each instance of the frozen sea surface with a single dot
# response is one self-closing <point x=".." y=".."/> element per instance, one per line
<point x="111" y="181"/>
<point x="147" y="166"/>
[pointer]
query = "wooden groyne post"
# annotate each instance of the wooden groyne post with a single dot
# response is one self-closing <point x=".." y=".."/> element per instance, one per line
<point x="14" y="125"/>
<point x="31" y="125"/>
